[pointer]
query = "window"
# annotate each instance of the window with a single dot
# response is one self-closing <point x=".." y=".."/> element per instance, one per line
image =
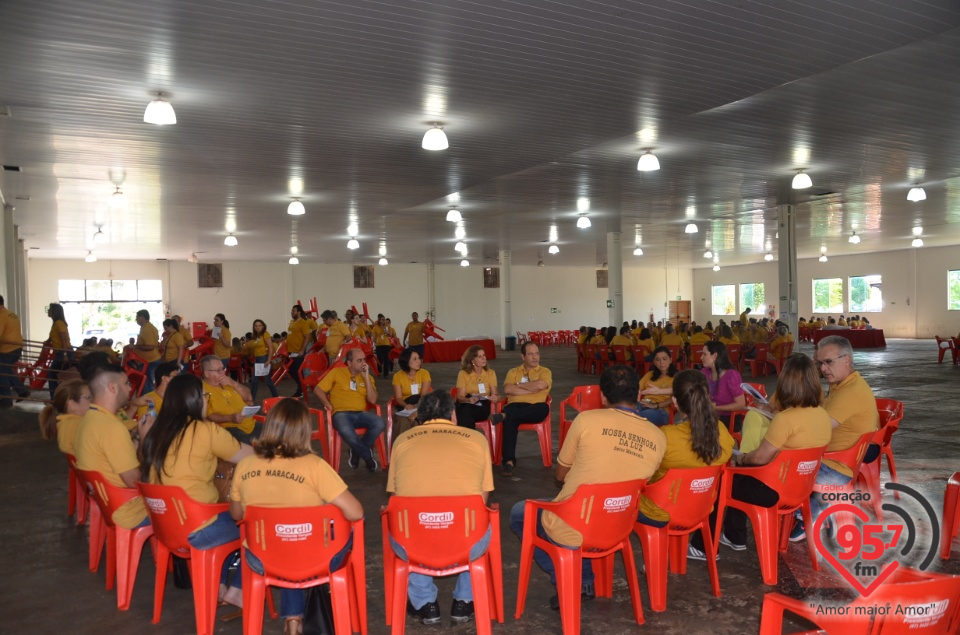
<point x="107" y="308"/>
<point x="828" y="295"/>
<point x="866" y="295"/>
<point x="751" y="295"/>
<point x="725" y="299"/>
<point x="953" y="290"/>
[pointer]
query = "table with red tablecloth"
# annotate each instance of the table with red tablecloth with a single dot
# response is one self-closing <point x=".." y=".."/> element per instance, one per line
<point x="865" y="338"/>
<point x="452" y="350"/>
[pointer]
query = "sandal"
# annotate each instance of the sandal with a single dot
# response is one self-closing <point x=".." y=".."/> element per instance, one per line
<point x="293" y="626"/>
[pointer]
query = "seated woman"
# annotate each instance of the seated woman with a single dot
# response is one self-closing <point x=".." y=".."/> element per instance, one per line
<point x="646" y="340"/>
<point x="182" y="449"/>
<point x="656" y="388"/>
<point x="727" y="336"/>
<point x="623" y="339"/>
<point x="783" y="337"/>
<point x="597" y="337"/>
<point x="61" y="418"/>
<point x="284" y="472"/>
<point x="800" y="423"/>
<point x="708" y="328"/>
<point x="411" y="381"/>
<point x="698" y="441"/>
<point x="670" y="337"/>
<point x="476" y="389"/>
<point x="724" y="380"/>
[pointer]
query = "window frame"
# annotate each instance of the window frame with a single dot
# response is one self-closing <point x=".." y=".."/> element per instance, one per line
<point x="713" y="299"/>
<point x="827" y="310"/>
<point x="849" y="294"/>
<point x="957" y="276"/>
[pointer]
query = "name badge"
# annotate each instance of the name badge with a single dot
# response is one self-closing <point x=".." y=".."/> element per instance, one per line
<point x="482" y="388"/>
<point x="353" y="385"/>
<point x="414" y="389"/>
<point x="524" y="379"/>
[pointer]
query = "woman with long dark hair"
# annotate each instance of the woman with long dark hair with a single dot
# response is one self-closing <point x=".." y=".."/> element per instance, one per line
<point x="59" y="343"/>
<point x="698" y="440"/>
<point x="263" y="350"/>
<point x="409" y="383"/>
<point x="182" y="449"/>
<point x="222" y="339"/>
<point x="724" y="380"/>
<point x="645" y="340"/>
<point x="656" y="388"/>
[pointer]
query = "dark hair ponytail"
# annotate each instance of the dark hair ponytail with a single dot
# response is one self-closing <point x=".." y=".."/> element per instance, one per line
<point x="692" y="393"/>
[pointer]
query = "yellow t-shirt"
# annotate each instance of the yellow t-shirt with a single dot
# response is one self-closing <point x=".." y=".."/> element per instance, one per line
<point x="779" y="342"/>
<point x="225" y="400"/>
<point x="361" y="331"/>
<point x="103" y="445"/>
<point x="157" y="403"/>
<point x="59" y="335"/>
<point x="260" y="346"/>
<point x="744" y="318"/>
<point x="604" y="446"/>
<point x="730" y="341"/>
<point x="409" y="387"/>
<point x="699" y="338"/>
<point x="582" y="339"/>
<point x="680" y="454"/>
<point x="382" y="335"/>
<point x="799" y="428"/>
<point x="598" y="339"/>
<point x="221" y="350"/>
<point x="647" y="344"/>
<point x="414" y="332"/>
<point x="192" y="463"/>
<point x="671" y="339"/>
<point x="440" y="459"/>
<point x="149" y="337"/>
<point x="297" y="334"/>
<point x="520" y="375"/>
<point x="484" y="384"/>
<point x="305" y="481"/>
<point x="186" y="335"/>
<point x="819" y="324"/>
<point x="842" y="322"/>
<point x="10" y="333"/>
<point x="665" y="381"/>
<point x="346" y="393"/>
<point x="171" y="346"/>
<point x="623" y="340"/>
<point x="67" y="425"/>
<point x="336" y="333"/>
<point x="851" y="402"/>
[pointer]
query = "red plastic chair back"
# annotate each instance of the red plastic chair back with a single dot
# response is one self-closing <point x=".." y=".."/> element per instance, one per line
<point x="544" y="431"/>
<point x="785" y="351"/>
<point x="601" y="513"/>
<point x="620" y="354"/>
<point x="174" y="515"/>
<point x="688" y="495"/>
<point x="582" y="398"/>
<point x="792" y="474"/>
<point x="311" y="371"/>
<point x="109" y="498"/>
<point x="696" y="355"/>
<point x="733" y="350"/>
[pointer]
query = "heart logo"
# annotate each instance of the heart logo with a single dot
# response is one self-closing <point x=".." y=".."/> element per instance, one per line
<point x="845" y="511"/>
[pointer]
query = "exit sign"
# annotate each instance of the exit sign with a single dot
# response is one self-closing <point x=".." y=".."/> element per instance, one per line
<point x="554" y="310"/>
<point x="610" y="304"/>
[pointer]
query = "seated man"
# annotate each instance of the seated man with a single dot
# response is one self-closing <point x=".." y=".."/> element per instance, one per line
<point x="699" y="337"/>
<point x="527" y="387"/>
<point x="623" y="339"/>
<point x="439" y="459"/>
<point x="103" y="442"/>
<point x="346" y="390"/>
<point x="226" y="401"/>
<point x="592" y="454"/>
<point x="853" y="412"/>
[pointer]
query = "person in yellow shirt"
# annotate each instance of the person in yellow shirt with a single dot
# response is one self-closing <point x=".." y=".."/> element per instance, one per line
<point x="670" y="337"/>
<point x="337" y="334"/>
<point x="172" y="345"/>
<point x="413" y="334"/>
<point x="147" y="347"/>
<point x="299" y="340"/>
<point x="226" y="400"/>
<point x="656" y="388"/>
<point x="383" y="336"/>
<point x="161" y="378"/>
<point x="783" y="337"/>
<point x="59" y="343"/>
<point x="347" y="390"/>
<point x="727" y="336"/>
<point x="646" y="341"/>
<point x="623" y="339"/>
<point x="684" y="332"/>
<point x="184" y="331"/>
<point x="11" y="348"/>
<point x="596" y="337"/>
<point x="358" y="330"/>
<point x="708" y="329"/>
<point x="222" y="338"/>
<point x="842" y="321"/>
<point x="476" y="389"/>
<point x="582" y="338"/>
<point x="819" y="323"/>
<point x="745" y="316"/>
<point x="526" y="387"/>
<point x="60" y="418"/>
<point x="262" y="350"/>
<point x="699" y="337"/>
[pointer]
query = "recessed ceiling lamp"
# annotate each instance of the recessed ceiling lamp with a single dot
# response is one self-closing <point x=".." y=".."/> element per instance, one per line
<point x="854" y="239"/>
<point x="917" y="242"/>
<point x="823" y="257"/>
<point x="295" y="208"/>
<point x="353" y="244"/>
<point x="708" y="254"/>
<point x="294" y="260"/>
<point x="99" y="237"/>
<point x="691" y="228"/>
<point x="916" y="194"/>
<point x="454" y="215"/>
<point x="553" y="250"/>
<point x="716" y="267"/>
<point x="117" y="200"/>
<point x="464" y="263"/>
<point x="583" y="222"/>
<point x="648" y="162"/>
<point x="91" y="257"/>
<point x="460" y="232"/>
<point x="160" y="112"/>
<point x="382" y="262"/>
<point x="638" y="251"/>
<point x="801" y="181"/>
<point x="768" y="257"/>
<point x="230" y="240"/>
<point x="435" y="139"/>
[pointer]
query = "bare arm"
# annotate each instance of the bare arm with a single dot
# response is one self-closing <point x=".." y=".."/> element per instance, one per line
<point x="370" y="386"/>
<point x="324" y="399"/>
<point x="130" y="477"/>
<point x="349" y="505"/>
<point x="562" y="471"/>
<point x="236" y="510"/>
<point x="740" y="403"/>
<point x="761" y="456"/>
<point x="244" y="451"/>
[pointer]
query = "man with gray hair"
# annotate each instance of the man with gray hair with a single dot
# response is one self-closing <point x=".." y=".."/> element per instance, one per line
<point x="226" y="400"/>
<point x="853" y="412"/>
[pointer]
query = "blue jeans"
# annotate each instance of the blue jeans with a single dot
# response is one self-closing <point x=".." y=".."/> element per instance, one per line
<point x="223" y="530"/>
<point x="10" y="383"/>
<point x="148" y="382"/>
<point x="541" y="557"/>
<point x="421" y="589"/>
<point x="826" y="476"/>
<point x="267" y="379"/>
<point x="346" y="423"/>
<point x="656" y="416"/>
<point x="292" y="601"/>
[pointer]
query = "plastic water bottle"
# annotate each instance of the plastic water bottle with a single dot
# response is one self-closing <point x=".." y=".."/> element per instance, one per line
<point x="151" y="410"/>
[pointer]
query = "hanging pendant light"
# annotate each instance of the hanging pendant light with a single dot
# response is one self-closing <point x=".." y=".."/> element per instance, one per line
<point x="768" y="257"/>
<point x="454" y="215"/>
<point x="464" y="263"/>
<point x="708" y="254"/>
<point x="99" y="237"/>
<point x="638" y="251"/>
<point x="160" y="112"/>
<point x="435" y="139"/>
<point x="716" y="267"/>
<point x="91" y="257"/>
<point x="917" y="242"/>
<point x="823" y="257"/>
<point x="460" y="232"/>
<point x="801" y="181"/>
<point x="294" y="260"/>
<point x="583" y="222"/>
<point x="353" y="244"/>
<point x="117" y="200"/>
<point x="553" y="250"/>
<point x="295" y="208"/>
<point x="648" y="162"/>
<point x="382" y="262"/>
<point x="916" y="194"/>
<point x="230" y="241"/>
<point x="691" y="228"/>
<point x="854" y="239"/>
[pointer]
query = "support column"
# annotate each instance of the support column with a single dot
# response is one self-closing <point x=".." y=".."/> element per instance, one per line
<point x="614" y="279"/>
<point x="8" y="250"/>
<point x="787" y="261"/>
<point x="506" y="313"/>
<point x="431" y="292"/>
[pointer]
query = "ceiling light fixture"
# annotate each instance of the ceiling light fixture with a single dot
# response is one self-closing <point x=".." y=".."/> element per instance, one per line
<point x="383" y="250"/>
<point x="540" y="263"/>
<point x="708" y="254"/>
<point x="99" y="238"/>
<point x="353" y="244"/>
<point x="294" y="250"/>
<point x="464" y="263"/>
<point x="382" y="262"/>
<point x="823" y="257"/>
<point x="716" y="267"/>
<point x="691" y="228"/>
<point x="854" y="239"/>
<point x="553" y="250"/>
<point x="353" y="229"/>
<point x="460" y="232"/>
<point x="454" y="215"/>
<point x="230" y="240"/>
<point x="916" y="194"/>
<point x="917" y="230"/>
<point x="648" y="162"/>
<point x="768" y="257"/>
<point x="583" y="222"/>
<point x="159" y="112"/>
<point x="294" y="260"/>
<point x="117" y="200"/>
<point x="917" y="242"/>
<point x="295" y="208"/>
<point x="435" y="139"/>
<point x="193" y="258"/>
<point x="460" y="247"/>
<point x="801" y="181"/>
<point x="91" y="257"/>
<point x="638" y="252"/>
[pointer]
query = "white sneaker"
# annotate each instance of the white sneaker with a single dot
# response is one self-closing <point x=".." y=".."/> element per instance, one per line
<point x="728" y="543"/>
<point x="695" y="554"/>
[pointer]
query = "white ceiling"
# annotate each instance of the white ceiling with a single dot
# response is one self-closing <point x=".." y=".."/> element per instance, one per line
<point x="543" y="102"/>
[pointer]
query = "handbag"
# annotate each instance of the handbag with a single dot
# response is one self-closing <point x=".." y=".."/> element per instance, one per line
<point x="318" y="611"/>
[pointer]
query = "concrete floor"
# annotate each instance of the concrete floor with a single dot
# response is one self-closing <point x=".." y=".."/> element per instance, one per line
<point x="48" y="588"/>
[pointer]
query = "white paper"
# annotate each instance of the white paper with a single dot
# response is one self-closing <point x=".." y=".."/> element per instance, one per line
<point x="406" y="413"/>
<point x="261" y="370"/>
<point x="353" y="385"/>
<point x="524" y="379"/>
<point x="754" y="393"/>
<point x="737" y="452"/>
<point x="414" y="389"/>
<point x="215" y="332"/>
<point x="249" y="411"/>
<point x="481" y="388"/>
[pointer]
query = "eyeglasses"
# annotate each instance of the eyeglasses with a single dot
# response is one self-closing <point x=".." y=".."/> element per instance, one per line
<point x="215" y="370"/>
<point x="829" y="362"/>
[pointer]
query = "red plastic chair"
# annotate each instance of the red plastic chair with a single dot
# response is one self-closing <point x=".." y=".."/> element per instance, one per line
<point x="906" y="587"/>
<point x="696" y="355"/>
<point x="748" y="398"/>
<point x="136" y="369"/>
<point x="544" y="432"/>
<point x="676" y="355"/>
<point x="77" y="500"/>
<point x="733" y="350"/>
<point x="295" y="545"/>
<point x="311" y="371"/>
<point x="174" y="515"/>
<point x="944" y="345"/>
<point x="758" y="365"/>
<point x="639" y="353"/>
<point x="335" y="443"/>
<point x="489" y="430"/>
<point x="792" y="474"/>
<point x="582" y="398"/>
<point x="891" y="413"/>
<point x="123" y="545"/>
<point x="603" y="358"/>
<point x="852" y="457"/>
<point x="437" y="543"/>
<point x="780" y="359"/>
<point x="604" y="515"/>
<point x="688" y="496"/>
<point x="285" y="363"/>
<point x="951" y="515"/>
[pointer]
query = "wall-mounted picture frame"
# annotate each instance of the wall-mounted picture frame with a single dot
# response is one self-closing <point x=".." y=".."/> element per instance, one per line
<point x="210" y="275"/>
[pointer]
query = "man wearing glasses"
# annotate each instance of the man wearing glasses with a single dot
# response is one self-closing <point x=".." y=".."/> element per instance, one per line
<point x="853" y="412"/>
<point x="226" y="401"/>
